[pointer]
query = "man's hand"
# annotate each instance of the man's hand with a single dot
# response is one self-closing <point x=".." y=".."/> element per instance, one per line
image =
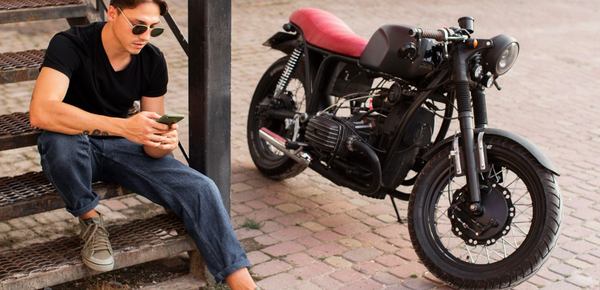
<point x="143" y="129"/>
<point x="171" y="139"/>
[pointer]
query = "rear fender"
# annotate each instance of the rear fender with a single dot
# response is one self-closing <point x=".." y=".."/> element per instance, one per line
<point x="283" y="41"/>
<point x="530" y="147"/>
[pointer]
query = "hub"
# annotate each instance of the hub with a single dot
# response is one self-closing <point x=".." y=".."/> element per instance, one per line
<point x="489" y="224"/>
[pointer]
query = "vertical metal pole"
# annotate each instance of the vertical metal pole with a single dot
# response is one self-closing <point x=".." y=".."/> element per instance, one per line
<point x="210" y="90"/>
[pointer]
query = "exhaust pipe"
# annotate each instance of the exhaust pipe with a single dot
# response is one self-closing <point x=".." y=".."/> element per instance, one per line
<point x="280" y="142"/>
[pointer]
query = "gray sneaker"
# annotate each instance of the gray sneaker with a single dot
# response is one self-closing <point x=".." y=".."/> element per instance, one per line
<point x="97" y="252"/>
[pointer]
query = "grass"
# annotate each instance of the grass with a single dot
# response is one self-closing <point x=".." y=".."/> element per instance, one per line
<point x="252" y="224"/>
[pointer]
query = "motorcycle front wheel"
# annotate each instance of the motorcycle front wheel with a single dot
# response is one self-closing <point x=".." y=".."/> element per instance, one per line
<point x="521" y="202"/>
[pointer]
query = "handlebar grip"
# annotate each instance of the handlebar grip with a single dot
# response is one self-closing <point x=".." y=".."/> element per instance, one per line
<point x="438" y="35"/>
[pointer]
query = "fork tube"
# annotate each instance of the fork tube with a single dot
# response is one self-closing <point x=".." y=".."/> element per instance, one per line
<point x="465" y="117"/>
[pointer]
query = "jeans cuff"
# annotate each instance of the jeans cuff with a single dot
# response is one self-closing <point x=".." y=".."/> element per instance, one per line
<point x="242" y="263"/>
<point x="92" y="205"/>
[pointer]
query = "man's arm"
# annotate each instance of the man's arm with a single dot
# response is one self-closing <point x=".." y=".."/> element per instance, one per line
<point x="157" y="104"/>
<point x="47" y="111"/>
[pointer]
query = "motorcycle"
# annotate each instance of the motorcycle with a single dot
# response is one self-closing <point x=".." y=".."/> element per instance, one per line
<point x="374" y="115"/>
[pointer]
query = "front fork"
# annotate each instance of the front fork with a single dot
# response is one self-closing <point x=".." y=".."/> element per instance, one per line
<point x="472" y="122"/>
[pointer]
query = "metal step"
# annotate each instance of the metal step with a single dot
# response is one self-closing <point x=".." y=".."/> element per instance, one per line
<point x="16" y="132"/>
<point x="31" y="10"/>
<point x="32" y="193"/>
<point x="20" y="66"/>
<point x="59" y="261"/>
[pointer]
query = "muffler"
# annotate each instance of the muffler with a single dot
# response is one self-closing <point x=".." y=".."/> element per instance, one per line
<point x="280" y="142"/>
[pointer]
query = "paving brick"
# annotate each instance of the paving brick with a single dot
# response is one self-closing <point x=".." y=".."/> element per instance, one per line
<point x="271" y="267"/>
<point x="266" y="240"/>
<point x="338" y="262"/>
<point x="407" y="254"/>
<point x="326" y="282"/>
<point x="335" y="220"/>
<point x="326" y="250"/>
<point x="362" y="254"/>
<point x="309" y="242"/>
<point x="350" y="243"/>
<point x="290" y="233"/>
<point x="390" y="260"/>
<point x="285" y="248"/>
<point x="313" y="226"/>
<point x="275" y="282"/>
<point x="562" y="269"/>
<point x="296" y="218"/>
<point x="583" y="281"/>
<point x="244" y="233"/>
<point x="386" y="278"/>
<point x="418" y="284"/>
<point x="299" y="259"/>
<point x="312" y="270"/>
<point x="369" y="267"/>
<point x="327" y="236"/>
<point x="347" y="276"/>
<point x="351" y="229"/>
<point x="365" y="284"/>
<point x="114" y="204"/>
<point x="131" y="201"/>
<point x="257" y="257"/>
<point x="409" y="270"/>
<point x="289" y="207"/>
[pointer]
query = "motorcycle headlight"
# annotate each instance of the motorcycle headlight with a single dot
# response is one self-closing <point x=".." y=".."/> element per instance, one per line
<point x="500" y="58"/>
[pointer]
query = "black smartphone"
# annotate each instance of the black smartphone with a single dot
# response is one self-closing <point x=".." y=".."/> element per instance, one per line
<point x="170" y="119"/>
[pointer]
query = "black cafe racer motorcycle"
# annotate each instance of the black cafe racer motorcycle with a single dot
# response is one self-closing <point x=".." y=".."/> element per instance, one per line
<point x="373" y="115"/>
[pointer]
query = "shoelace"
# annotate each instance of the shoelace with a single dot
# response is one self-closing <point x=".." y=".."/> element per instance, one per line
<point x="100" y="241"/>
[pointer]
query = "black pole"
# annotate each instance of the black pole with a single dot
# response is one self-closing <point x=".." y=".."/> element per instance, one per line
<point x="210" y="90"/>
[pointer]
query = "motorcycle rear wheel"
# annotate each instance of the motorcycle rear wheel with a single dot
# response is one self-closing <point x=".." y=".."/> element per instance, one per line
<point x="517" y="251"/>
<point x="271" y="162"/>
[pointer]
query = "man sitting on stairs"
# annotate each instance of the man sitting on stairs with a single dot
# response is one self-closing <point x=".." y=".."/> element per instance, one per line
<point x="90" y="77"/>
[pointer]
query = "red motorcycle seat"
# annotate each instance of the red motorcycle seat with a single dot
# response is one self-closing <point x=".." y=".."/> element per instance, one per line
<point x="325" y="30"/>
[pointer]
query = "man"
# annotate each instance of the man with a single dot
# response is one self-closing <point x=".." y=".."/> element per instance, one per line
<point x="89" y="79"/>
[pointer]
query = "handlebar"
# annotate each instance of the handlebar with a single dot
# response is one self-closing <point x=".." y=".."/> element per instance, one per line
<point x="439" y="35"/>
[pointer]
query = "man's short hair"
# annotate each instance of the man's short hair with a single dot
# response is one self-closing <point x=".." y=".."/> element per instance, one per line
<point x="130" y="4"/>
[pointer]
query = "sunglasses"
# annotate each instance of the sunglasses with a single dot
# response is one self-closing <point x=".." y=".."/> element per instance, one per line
<point x="140" y="28"/>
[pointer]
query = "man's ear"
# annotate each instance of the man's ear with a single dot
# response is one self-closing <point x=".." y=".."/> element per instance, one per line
<point x="112" y="13"/>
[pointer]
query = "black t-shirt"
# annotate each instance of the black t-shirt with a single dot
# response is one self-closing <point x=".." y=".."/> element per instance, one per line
<point x="94" y="85"/>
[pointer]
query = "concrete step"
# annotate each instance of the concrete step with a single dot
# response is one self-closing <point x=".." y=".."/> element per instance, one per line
<point x="20" y="66"/>
<point x="59" y="261"/>
<point x="16" y="132"/>
<point x="32" y="193"/>
<point x="31" y="10"/>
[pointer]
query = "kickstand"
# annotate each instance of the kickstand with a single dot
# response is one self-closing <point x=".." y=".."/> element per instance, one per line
<point x="396" y="210"/>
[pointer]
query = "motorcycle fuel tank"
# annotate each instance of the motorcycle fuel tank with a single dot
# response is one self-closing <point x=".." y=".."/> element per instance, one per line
<point x="392" y="50"/>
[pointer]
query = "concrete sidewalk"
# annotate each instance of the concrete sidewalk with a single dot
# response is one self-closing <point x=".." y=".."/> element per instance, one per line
<point x="315" y="235"/>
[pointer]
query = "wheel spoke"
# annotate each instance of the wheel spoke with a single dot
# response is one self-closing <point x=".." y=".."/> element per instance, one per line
<point x="469" y="254"/>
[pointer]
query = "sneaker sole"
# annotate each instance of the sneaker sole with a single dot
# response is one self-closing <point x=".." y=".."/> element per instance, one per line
<point x="98" y="267"/>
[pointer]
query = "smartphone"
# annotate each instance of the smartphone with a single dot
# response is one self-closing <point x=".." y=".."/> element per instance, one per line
<point x="170" y="119"/>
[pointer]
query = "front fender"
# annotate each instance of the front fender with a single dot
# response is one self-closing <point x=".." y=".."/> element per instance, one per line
<point x="530" y="147"/>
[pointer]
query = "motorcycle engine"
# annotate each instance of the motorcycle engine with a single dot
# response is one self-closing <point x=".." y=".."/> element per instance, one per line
<point x="330" y="135"/>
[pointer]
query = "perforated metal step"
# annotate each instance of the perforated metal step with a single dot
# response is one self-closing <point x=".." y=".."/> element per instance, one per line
<point x="20" y="66"/>
<point x="30" y="10"/>
<point x="58" y="261"/>
<point x="32" y="193"/>
<point x="16" y="132"/>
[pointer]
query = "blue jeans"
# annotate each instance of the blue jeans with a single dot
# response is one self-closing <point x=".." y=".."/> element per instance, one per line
<point x="73" y="162"/>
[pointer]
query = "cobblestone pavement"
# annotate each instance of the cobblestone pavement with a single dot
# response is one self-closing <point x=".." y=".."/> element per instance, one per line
<point x="315" y="235"/>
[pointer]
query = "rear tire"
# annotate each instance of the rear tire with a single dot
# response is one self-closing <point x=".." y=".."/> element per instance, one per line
<point x="449" y="256"/>
<point x="271" y="163"/>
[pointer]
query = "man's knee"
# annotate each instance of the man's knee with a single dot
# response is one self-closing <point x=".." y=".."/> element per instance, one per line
<point x="61" y="148"/>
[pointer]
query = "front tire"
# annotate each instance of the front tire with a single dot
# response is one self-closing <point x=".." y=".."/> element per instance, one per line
<point x="519" y="247"/>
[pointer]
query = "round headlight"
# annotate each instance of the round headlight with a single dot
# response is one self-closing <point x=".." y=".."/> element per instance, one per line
<point x="501" y="57"/>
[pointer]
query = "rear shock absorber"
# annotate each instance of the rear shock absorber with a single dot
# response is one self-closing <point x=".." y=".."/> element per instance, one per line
<point x="290" y="66"/>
